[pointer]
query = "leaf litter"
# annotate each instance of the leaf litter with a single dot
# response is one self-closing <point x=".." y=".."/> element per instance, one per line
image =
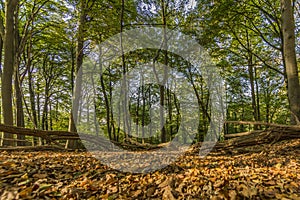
<point x="269" y="174"/>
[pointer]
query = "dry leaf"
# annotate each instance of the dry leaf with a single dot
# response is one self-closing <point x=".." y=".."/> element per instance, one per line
<point x="40" y="176"/>
<point x="167" y="194"/>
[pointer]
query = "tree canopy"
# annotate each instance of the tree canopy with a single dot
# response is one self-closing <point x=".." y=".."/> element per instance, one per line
<point x="255" y="44"/>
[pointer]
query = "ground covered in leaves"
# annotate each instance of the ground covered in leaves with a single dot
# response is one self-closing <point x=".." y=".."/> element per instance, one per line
<point x="271" y="173"/>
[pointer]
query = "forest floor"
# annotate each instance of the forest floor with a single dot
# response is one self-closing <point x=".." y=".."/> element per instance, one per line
<point x="271" y="173"/>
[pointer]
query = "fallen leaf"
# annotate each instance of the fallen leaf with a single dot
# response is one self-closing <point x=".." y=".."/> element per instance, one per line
<point x="39" y="176"/>
<point x="167" y="195"/>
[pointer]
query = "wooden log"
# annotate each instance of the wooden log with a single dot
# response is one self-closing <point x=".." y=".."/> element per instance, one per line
<point x="33" y="132"/>
<point x="51" y="136"/>
<point x="34" y="148"/>
<point x="16" y="140"/>
<point x="263" y="137"/>
<point x="293" y="127"/>
<point x="240" y="134"/>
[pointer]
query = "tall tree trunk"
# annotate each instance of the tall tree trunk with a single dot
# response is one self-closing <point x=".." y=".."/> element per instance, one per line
<point x="169" y="103"/>
<point x="124" y="105"/>
<point x="95" y="120"/>
<point x="38" y="105"/>
<point x="74" y="144"/>
<point x="20" y="122"/>
<point x="32" y="100"/>
<point x="251" y="77"/>
<point x="143" y="108"/>
<point x="1" y="52"/>
<point x="50" y="117"/>
<point x="106" y="100"/>
<point x="162" y="86"/>
<point x="267" y="96"/>
<point x="136" y="120"/>
<point x="257" y="96"/>
<point x="116" y="135"/>
<point x="8" y="69"/>
<point x="19" y="106"/>
<point x="45" y="110"/>
<point x="72" y="77"/>
<point x="150" y="113"/>
<point x="288" y="29"/>
<point x="2" y="34"/>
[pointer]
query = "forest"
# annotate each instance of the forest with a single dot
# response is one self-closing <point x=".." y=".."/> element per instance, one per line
<point x="149" y="99"/>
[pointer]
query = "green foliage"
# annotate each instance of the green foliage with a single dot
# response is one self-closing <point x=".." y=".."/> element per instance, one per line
<point x="234" y="33"/>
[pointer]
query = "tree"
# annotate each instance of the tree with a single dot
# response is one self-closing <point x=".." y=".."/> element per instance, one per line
<point x="8" y="69"/>
<point x="288" y="29"/>
<point x="79" y="60"/>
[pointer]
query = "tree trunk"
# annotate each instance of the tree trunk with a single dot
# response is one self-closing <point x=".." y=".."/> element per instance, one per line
<point x="288" y="29"/>
<point x="251" y="77"/>
<point x="45" y="112"/>
<point x="74" y="144"/>
<point x="110" y="90"/>
<point x="143" y="108"/>
<point x="50" y="116"/>
<point x="124" y="105"/>
<point x="18" y="85"/>
<point x="32" y="100"/>
<point x="19" y="106"/>
<point x="38" y="105"/>
<point x="1" y="52"/>
<point x="106" y="100"/>
<point x="169" y="102"/>
<point x="162" y="86"/>
<point x="8" y="69"/>
<point x="136" y="120"/>
<point x="95" y="120"/>
<point x="257" y="95"/>
<point x="150" y="113"/>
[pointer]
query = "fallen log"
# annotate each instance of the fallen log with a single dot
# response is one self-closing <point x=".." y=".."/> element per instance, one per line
<point x="240" y="134"/>
<point x="293" y="127"/>
<point x="51" y="136"/>
<point x="36" y="148"/>
<point x="33" y="132"/>
<point x="274" y="133"/>
<point x="98" y="141"/>
<point x="269" y="136"/>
